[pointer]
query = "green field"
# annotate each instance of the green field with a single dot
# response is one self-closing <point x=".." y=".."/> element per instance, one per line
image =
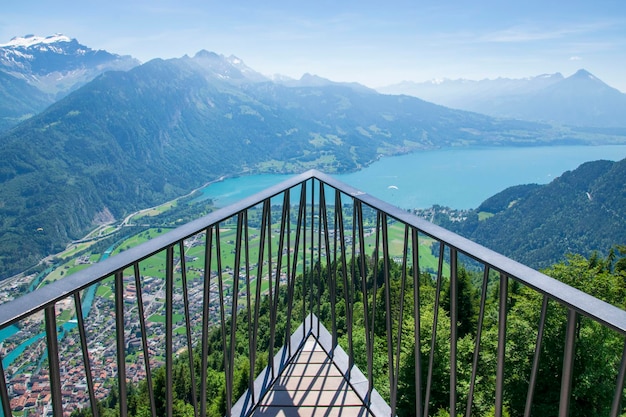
<point x="74" y="249"/>
<point x="483" y="215"/>
<point x="155" y="211"/>
<point x="195" y="262"/>
<point x="194" y="250"/>
<point x="158" y="318"/>
<point x="63" y="270"/>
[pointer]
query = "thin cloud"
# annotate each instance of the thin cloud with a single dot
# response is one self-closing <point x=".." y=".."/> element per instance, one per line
<point x="528" y="33"/>
<point x="523" y="34"/>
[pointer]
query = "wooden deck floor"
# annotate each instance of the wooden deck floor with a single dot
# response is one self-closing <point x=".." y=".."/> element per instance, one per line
<point x="311" y="385"/>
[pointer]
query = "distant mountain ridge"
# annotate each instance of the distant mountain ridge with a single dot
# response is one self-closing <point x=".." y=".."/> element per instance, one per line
<point x="578" y="100"/>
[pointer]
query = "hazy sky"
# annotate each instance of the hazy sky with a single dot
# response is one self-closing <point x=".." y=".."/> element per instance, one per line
<point x="374" y="43"/>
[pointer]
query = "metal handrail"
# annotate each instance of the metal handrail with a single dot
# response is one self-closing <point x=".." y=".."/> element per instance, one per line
<point x="313" y="227"/>
<point x="573" y="298"/>
<point x="16" y="310"/>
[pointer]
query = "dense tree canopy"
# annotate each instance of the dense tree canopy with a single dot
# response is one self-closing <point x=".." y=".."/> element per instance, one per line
<point x="598" y="349"/>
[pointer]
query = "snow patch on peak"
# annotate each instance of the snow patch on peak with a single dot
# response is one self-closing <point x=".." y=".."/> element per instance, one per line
<point x="584" y="74"/>
<point x="234" y="60"/>
<point x="30" y="40"/>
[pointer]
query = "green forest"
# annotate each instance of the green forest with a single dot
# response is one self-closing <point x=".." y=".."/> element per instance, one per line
<point x="581" y="211"/>
<point x="598" y="349"/>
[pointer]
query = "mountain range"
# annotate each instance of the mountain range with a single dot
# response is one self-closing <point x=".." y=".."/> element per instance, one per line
<point x="130" y="139"/>
<point x="578" y="100"/>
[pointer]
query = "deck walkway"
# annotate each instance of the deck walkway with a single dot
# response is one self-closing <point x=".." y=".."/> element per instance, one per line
<point x="315" y="380"/>
<point x="310" y="386"/>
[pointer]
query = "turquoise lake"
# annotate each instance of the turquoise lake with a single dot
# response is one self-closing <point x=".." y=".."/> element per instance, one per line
<point x="460" y="178"/>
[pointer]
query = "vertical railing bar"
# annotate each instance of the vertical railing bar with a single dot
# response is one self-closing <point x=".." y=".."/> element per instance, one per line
<point x="502" y="315"/>
<point x="144" y="338"/>
<point x="254" y="326"/>
<point x="251" y="346"/>
<point x="241" y="219"/>
<point x="619" y="388"/>
<point x="417" y="315"/>
<point x="454" y="333"/>
<point x="394" y="387"/>
<point x="53" y="361"/>
<point x="272" y="284"/>
<point x="169" y="332"/>
<point x="290" y="276"/>
<point x="351" y="283"/>
<point x="311" y="255"/>
<point x="388" y="309"/>
<point x="346" y="288"/>
<point x="370" y="348"/>
<point x="349" y="295"/>
<point x="183" y="266"/>
<point x="274" y="302"/>
<point x="433" y="338"/>
<point x="568" y="364"/>
<point x="333" y="294"/>
<point x="251" y="330"/>
<point x="121" y="344"/>
<point x="220" y="280"/>
<point x="479" y="330"/>
<point x="294" y="266"/>
<point x="359" y="209"/>
<point x="284" y="224"/>
<point x="330" y="267"/>
<point x="535" y="368"/>
<point x="85" y="351"/>
<point x="319" y="254"/>
<point x="4" y="392"/>
<point x="257" y="297"/>
<point x="208" y="252"/>
<point x="304" y="270"/>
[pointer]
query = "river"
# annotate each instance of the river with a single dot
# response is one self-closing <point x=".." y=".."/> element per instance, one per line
<point x="86" y="304"/>
<point x="460" y="178"/>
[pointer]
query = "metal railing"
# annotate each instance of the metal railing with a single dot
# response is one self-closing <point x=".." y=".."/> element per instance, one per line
<point x="389" y="286"/>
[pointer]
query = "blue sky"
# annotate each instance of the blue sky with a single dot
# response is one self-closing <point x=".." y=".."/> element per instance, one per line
<point x="375" y="43"/>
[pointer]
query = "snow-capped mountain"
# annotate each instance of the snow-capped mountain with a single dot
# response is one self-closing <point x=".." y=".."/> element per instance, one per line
<point x="57" y="64"/>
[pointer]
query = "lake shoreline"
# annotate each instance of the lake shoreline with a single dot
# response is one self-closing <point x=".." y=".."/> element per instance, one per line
<point x="460" y="178"/>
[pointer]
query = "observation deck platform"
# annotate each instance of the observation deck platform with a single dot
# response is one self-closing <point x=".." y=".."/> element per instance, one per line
<point x="315" y="382"/>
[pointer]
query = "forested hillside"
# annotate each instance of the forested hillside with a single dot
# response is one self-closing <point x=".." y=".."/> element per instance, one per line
<point x="580" y="212"/>
<point x="19" y="101"/>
